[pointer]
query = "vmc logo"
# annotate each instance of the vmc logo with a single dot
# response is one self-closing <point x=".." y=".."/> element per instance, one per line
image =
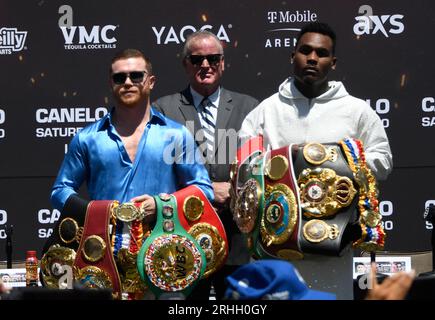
<point x="166" y="35"/>
<point x="11" y="40"/>
<point x="84" y="37"/>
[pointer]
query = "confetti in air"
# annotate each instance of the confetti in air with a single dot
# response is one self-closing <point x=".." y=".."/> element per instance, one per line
<point x="402" y="80"/>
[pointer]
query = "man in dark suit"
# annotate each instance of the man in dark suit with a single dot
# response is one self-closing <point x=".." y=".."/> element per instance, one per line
<point x="214" y="116"/>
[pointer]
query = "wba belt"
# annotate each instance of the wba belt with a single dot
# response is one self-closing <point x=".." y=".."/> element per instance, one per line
<point x="328" y="198"/>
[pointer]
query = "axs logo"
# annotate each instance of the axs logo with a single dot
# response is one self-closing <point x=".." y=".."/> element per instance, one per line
<point x="385" y="24"/>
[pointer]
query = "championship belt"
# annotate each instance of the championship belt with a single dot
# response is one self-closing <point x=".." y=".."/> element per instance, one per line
<point x="280" y="219"/>
<point x="94" y="265"/>
<point x="267" y="209"/>
<point x="328" y="198"/>
<point x="129" y="215"/>
<point x="59" y="253"/>
<point x="240" y="168"/>
<point x="373" y="235"/>
<point x="199" y="218"/>
<point x="246" y="190"/>
<point x="170" y="260"/>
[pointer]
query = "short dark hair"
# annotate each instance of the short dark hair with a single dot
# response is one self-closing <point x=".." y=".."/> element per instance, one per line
<point x="132" y="53"/>
<point x="318" y="27"/>
<point x="198" y="35"/>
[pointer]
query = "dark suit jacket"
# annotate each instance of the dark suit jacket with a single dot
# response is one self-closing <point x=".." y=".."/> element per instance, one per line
<point x="232" y="110"/>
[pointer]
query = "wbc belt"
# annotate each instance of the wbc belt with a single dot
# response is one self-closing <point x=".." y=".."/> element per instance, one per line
<point x="199" y="218"/>
<point x="328" y="198"/>
<point x="94" y="265"/>
<point x="170" y="260"/>
<point x="279" y="221"/>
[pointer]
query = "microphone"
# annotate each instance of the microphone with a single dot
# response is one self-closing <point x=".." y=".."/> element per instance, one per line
<point x="9" y="231"/>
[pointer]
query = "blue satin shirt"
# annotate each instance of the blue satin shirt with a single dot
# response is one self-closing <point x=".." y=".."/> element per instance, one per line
<point x="167" y="160"/>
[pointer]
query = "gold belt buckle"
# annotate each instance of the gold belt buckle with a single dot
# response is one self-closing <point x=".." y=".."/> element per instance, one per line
<point x="323" y="192"/>
<point x="93" y="277"/>
<point x="211" y="243"/>
<point x="127" y="212"/>
<point x="316" y="153"/>
<point x="193" y="208"/>
<point x="318" y="230"/>
<point x="280" y="215"/>
<point x="173" y="262"/>
<point x="246" y="208"/>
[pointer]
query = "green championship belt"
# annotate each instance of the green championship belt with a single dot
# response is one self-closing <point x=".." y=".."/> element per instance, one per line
<point x="249" y="203"/>
<point x="170" y="260"/>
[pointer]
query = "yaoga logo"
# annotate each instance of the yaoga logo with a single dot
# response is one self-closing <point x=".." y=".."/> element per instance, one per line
<point x="82" y="37"/>
<point x="2" y="121"/>
<point x="167" y="35"/>
<point x="385" y="24"/>
<point x="428" y="105"/>
<point x="3" y="220"/>
<point x="382" y="108"/>
<point x="280" y="36"/>
<point x="11" y="40"/>
<point x="46" y="216"/>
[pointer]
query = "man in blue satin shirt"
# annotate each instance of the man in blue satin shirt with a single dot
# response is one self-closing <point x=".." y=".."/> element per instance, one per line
<point x="133" y="152"/>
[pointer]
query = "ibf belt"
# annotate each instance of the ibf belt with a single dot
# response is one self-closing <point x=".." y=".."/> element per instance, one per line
<point x="280" y="219"/>
<point x="94" y="265"/>
<point x="328" y="198"/>
<point x="170" y="260"/>
<point x="199" y="218"/>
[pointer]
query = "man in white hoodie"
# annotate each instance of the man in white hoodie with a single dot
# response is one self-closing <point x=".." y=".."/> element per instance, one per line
<point x="310" y="108"/>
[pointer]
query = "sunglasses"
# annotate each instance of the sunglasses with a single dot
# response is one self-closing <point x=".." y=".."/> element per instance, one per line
<point x="212" y="59"/>
<point x="135" y="77"/>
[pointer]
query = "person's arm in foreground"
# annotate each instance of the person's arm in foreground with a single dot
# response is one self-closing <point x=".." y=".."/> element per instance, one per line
<point x="395" y="287"/>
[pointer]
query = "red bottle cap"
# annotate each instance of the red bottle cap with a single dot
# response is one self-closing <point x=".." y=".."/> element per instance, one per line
<point x="31" y="253"/>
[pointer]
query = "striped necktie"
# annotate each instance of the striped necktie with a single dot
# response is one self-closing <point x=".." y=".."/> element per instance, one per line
<point x="208" y="124"/>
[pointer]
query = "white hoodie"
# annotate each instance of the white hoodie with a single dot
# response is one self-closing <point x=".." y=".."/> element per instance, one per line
<point x="289" y="117"/>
